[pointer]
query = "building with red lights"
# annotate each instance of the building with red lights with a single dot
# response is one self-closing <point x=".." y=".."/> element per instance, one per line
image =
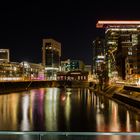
<point x="122" y="41"/>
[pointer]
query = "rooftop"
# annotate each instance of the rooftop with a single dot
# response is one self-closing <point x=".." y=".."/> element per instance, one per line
<point x="105" y="23"/>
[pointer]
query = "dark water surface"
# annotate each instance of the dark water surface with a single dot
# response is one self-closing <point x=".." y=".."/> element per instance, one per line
<point x="54" y="109"/>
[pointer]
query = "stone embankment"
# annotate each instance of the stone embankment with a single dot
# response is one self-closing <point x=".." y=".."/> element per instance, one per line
<point x="16" y="86"/>
<point x="126" y="95"/>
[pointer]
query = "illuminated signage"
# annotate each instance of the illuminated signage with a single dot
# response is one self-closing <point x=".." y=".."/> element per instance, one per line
<point x="100" y="57"/>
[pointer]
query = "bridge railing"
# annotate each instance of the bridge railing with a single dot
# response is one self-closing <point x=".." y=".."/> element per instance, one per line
<point x="14" y="135"/>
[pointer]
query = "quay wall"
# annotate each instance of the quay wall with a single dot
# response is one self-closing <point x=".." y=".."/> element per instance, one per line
<point x="132" y="88"/>
<point x="128" y="96"/>
<point x="16" y="86"/>
<point x="127" y="99"/>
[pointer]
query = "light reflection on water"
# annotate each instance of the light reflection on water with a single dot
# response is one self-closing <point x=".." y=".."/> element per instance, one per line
<point x="54" y="109"/>
<point x="25" y="126"/>
<point x="51" y="109"/>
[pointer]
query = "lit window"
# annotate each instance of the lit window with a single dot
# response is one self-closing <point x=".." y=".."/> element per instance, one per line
<point x="130" y="49"/>
<point x="78" y="77"/>
<point x="129" y="53"/>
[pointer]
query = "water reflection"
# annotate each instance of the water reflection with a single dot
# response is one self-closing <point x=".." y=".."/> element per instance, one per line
<point x="54" y="109"/>
<point x="25" y="126"/>
<point x="114" y="119"/>
<point x="9" y="111"/>
<point x="38" y="99"/>
<point x="51" y="109"/>
<point x="68" y="109"/>
<point x="116" y="137"/>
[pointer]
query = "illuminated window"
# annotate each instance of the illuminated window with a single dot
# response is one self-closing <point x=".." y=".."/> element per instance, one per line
<point x="129" y="53"/>
<point x="78" y="77"/>
<point x="130" y="49"/>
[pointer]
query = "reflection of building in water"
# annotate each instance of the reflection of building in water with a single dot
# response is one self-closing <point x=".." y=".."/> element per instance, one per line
<point x="100" y="119"/>
<point x="37" y="109"/>
<point x="51" y="109"/>
<point x="25" y="124"/>
<point x="138" y="125"/>
<point x="68" y="109"/>
<point x="89" y="102"/>
<point x="128" y="126"/>
<point x="114" y="117"/>
<point x="8" y="118"/>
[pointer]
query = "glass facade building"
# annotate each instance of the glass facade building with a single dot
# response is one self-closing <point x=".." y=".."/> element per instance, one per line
<point x="121" y="38"/>
<point x="99" y="54"/>
<point x="72" y="65"/>
<point x="4" y="55"/>
<point x="51" y="53"/>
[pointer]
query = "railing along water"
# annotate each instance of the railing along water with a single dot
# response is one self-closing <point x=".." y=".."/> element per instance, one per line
<point x="25" y="135"/>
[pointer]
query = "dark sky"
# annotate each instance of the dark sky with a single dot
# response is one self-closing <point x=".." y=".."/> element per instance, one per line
<point x="23" y="25"/>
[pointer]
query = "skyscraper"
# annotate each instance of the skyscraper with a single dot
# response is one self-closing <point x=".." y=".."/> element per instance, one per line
<point x="51" y="53"/>
<point x="99" y="52"/>
<point x="121" y="37"/>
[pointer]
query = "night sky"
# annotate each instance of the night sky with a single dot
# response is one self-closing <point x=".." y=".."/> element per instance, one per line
<point x="23" y="25"/>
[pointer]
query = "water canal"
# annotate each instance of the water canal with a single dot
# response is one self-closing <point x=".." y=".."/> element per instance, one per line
<point x="55" y="109"/>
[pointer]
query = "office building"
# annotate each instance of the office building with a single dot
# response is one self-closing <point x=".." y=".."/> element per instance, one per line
<point x="72" y="65"/>
<point x="120" y="37"/>
<point x="10" y="71"/>
<point x="99" y="55"/>
<point x="74" y="70"/>
<point x="51" y="53"/>
<point x="4" y="56"/>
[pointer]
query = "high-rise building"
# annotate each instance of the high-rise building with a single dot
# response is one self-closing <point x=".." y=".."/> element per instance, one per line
<point x="51" y="57"/>
<point x="4" y="55"/>
<point x="132" y="64"/>
<point x="99" y="54"/>
<point x="120" y="37"/>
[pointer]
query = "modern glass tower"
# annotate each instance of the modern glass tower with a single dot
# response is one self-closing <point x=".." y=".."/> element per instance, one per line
<point x="99" y="52"/>
<point x="51" y="53"/>
<point x="121" y="37"/>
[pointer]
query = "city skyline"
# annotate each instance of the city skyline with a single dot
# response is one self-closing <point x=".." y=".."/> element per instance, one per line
<point x="24" y="26"/>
